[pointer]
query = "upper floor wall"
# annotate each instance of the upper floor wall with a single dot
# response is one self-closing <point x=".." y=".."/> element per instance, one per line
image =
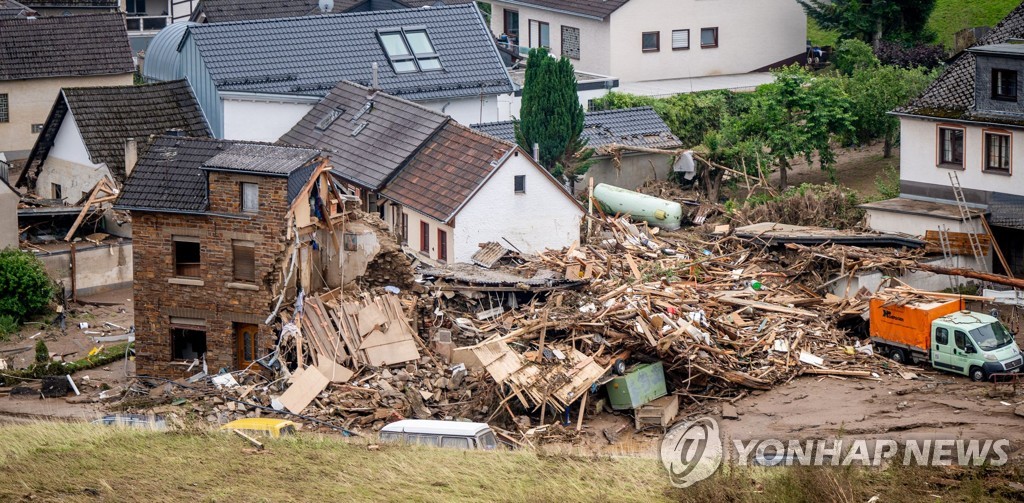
<point x="586" y="42"/>
<point x="997" y="81"/>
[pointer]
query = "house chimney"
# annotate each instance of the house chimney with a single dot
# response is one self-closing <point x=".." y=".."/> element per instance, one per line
<point x="131" y="155"/>
<point x="536" y="152"/>
<point x="376" y="80"/>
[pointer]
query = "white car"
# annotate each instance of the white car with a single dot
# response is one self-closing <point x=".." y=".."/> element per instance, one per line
<point x="451" y="434"/>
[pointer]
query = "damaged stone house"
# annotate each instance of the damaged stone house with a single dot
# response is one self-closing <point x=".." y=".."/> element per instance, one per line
<point x="441" y="187"/>
<point x="964" y="134"/>
<point x="224" y="232"/>
<point x="631" y="146"/>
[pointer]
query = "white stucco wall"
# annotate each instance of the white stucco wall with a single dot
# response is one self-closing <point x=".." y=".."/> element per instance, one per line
<point x="68" y="165"/>
<point x="595" y="46"/>
<point x="751" y="35"/>
<point x="915" y="225"/>
<point x="262" y="120"/>
<point x="542" y="217"/>
<point x="919" y="156"/>
<point x="415" y="219"/>
<point x="9" y="223"/>
<point x="101" y="267"/>
<point x="474" y="110"/>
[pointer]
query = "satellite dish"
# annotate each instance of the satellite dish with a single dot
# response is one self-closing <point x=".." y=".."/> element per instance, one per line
<point x="326" y="5"/>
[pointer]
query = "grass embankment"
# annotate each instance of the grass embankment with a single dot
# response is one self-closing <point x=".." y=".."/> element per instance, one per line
<point x="949" y="17"/>
<point x="80" y="462"/>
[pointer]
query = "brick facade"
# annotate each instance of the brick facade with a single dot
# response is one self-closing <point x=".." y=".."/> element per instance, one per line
<point x="214" y="297"/>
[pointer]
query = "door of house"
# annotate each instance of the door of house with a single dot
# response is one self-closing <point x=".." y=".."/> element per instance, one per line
<point x="246" y="339"/>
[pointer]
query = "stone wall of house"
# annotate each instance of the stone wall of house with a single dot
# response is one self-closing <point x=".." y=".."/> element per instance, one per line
<point x="214" y="299"/>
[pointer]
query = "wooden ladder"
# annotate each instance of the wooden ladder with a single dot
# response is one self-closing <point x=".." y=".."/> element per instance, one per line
<point x="947" y="253"/>
<point x="965" y="217"/>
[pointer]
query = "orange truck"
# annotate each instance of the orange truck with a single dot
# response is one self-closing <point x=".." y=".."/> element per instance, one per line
<point x="944" y="334"/>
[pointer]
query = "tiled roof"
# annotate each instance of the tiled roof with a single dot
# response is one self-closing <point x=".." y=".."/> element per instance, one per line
<point x="951" y="96"/>
<point x="637" y="127"/>
<point x="261" y="159"/>
<point x="92" y="44"/>
<point x="56" y="4"/>
<point x="167" y="177"/>
<point x="107" y="116"/>
<point x="446" y="171"/>
<point x="10" y="8"/>
<point x="394" y="130"/>
<point x="310" y="55"/>
<point x="598" y="9"/>
<point x="226" y="11"/>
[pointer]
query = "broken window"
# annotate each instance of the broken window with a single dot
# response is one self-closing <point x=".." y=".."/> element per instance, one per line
<point x="186" y="256"/>
<point x="57" y="191"/>
<point x="244" y="260"/>
<point x="424" y="237"/>
<point x="409" y="50"/>
<point x="250" y="197"/>
<point x="442" y="245"/>
<point x="520" y="184"/>
<point x="188" y="341"/>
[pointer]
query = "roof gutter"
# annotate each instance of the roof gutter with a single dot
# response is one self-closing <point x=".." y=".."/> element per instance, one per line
<point x="958" y="121"/>
<point x="551" y="9"/>
<point x="270" y="98"/>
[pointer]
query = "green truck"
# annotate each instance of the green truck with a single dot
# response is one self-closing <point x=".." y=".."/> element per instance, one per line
<point x="945" y="335"/>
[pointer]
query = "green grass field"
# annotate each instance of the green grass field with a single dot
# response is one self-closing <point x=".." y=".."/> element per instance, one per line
<point x="81" y="462"/>
<point x="949" y="17"/>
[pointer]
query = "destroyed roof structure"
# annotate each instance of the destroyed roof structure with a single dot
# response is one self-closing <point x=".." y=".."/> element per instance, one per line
<point x="226" y="11"/>
<point x="105" y="117"/>
<point x="91" y="44"/>
<point x="375" y="132"/>
<point x="172" y="175"/>
<point x="440" y="178"/>
<point x="636" y="127"/>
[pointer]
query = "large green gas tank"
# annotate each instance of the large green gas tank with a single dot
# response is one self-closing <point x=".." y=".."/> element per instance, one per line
<point x="655" y="211"/>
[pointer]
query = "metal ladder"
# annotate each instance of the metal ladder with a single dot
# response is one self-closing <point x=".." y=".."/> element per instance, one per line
<point x="947" y="253"/>
<point x="965" y="216"/>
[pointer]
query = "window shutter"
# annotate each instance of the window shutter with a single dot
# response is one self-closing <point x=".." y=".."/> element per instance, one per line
<point x="681" y="39"/>
<point x="244" y="261"/>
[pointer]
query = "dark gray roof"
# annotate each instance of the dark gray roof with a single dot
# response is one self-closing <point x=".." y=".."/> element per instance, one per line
<point x="951" y="96"/>
<point x="60" y="46"/>
<point x="74" y="4"/>
<point x="310" y="55"/>
<point x="637" y="127"/>
<point x="10" y="8"/>
<point x="598" y="9"/>
<point x="170" y="175"/>
<point x="395" y="129"/>
<point x="226" y="11"/>
<point x="167" y="177"/>
<point x="107" y="116"/>
<point x="261" y="159"/>
<point x="1009" y="49"/>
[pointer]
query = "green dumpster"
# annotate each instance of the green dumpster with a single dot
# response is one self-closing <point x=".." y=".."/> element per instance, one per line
<point x="644" y="383"/>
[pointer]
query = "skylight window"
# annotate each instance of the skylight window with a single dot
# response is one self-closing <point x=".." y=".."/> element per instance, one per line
<point x="409" y="50"/>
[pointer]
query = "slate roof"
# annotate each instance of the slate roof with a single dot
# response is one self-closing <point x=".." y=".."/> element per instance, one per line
<point x="310" y="55"/>
<point x="226" y="11"/>
<point x="107" y="116"/>
<point x="637" y="127"/>
<point x="167" y="177"/>
<point x="951" y="96"/>
<point x="91" y="44"/>
<point x="170" y="175"/>
<point x="394" y="130"/>
<point x="447" y="171"/>
<point x="10" y="8"/>
<point x="264" y="159"/>
<point x="57" y="4"/>
<point x="597" y="9"/>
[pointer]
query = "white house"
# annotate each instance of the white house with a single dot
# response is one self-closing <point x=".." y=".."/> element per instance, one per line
<point x="466" y="188"/>
<point x="969" y="124"/>
<point x="245" y="72"/>
<point x="86" y="135"/>
<point x="641" y="40"/>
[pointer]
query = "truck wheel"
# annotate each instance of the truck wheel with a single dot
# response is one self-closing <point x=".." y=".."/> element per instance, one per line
<point x="897" y="355"/>
<point x="977" y="375"/>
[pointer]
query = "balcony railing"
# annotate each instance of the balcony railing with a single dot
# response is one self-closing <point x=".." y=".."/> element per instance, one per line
<point x="140" y="24"/>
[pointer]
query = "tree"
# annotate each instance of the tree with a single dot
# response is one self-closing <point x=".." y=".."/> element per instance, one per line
<point x="798" y="115"/>
<point x="551" y="116"/>
<point x="875" y="92"/>
<point x="854" y="55"/>
<point x="873" y="20"/>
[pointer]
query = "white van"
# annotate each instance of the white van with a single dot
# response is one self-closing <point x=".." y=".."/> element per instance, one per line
<point x="452" y="434"/>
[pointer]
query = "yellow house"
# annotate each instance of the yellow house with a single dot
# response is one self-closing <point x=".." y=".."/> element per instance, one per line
<point x="40" y="56"/>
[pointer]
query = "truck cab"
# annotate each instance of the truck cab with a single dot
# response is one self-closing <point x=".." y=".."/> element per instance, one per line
<point x="973" y="344"/>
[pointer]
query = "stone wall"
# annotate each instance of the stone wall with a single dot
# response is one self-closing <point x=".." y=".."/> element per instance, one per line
<point x="214" y="298"/>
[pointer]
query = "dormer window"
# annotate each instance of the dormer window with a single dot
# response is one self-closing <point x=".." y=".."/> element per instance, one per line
<point x="1004" y="84"/>
<point x="409" y="50"/>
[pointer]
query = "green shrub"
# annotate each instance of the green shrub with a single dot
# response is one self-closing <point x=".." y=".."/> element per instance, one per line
<point x="25" y="289"/>
<point x="888" y="182"/>
<point x="853" y="55"/>
<point x="8" y="326"/>
<point x="42" y="352"/>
